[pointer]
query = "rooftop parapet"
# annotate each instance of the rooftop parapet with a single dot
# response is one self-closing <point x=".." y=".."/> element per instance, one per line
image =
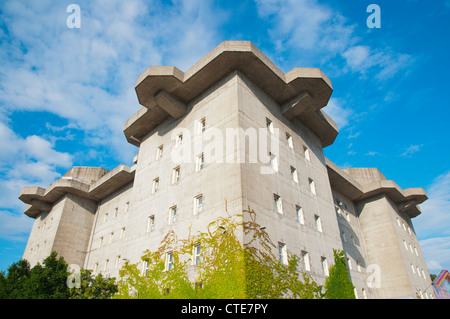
<point x="165" y="91"/>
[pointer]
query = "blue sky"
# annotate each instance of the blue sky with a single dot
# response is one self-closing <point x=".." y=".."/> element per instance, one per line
<point x="66" y="93"/>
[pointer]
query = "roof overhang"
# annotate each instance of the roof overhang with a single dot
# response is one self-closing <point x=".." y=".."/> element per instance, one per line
<point x="165" y="91"/>
<point x="406" y="200"/>
<point x="41" y="200"/>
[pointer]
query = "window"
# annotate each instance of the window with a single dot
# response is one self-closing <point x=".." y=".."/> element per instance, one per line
<point x="201" y="126"/>
<point x="176" y="175"/>
<point x="404" y="243"/>
<point x="269" y="126"/>
<point x="200" y="162"/>
<point x="358" y="266"/>
<point x="364" y="293"/>
<point x="325" y="266"/>
<point x="159" y="152"/>
<point x="116" y="212"/>
<point x="294" y="174"/>
<point x="312" y="186"/>
<point x="344" y="237"/>
<point x="145" y="268"/>
<point x="155" y="185"/>
<point x="300" y="215"/>
<point x="305" y="259"/>
<point x="198" y="204"/>
<point x="172" y="215"/>
<point x="100" y="242"/>
<point x="306" y="153"/>
<point x="122" y="233"/>
<point x="116" y="265"/>
<point x="290" y="143"/>
<point x="105" y="217"/>
<point x="106" y="265"/>
<point x="127" y="205"/>
<point x="169" y="261"/>
<point x="273" y="162"/>
<point x="282" y="252"/>
<point x="349" y="263"/>
<point x="398" y="223"/>
<point x="179" y="140"/>
<point x="111" y="237"/>
<point x="412" y="268"/>
<point x="278" y="206"/>
<point x="150" y="223"/>
<point x="196" y="254"/>
<point x="318" y="223"/>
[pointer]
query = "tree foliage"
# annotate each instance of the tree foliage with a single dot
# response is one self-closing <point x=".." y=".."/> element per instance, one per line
<point x="49" y="281"/>
<point x="338" y="284"/>
<point x="229" y="267"/>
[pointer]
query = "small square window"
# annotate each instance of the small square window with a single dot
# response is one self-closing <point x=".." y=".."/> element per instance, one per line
<point x="200" y="162"/>
<point x="318" y="223"/>
<point x="282" y="252"/>
<point x="273" y="162"/>
<point x="155" y="185"/>
<point x="290" y="143"/>
<point x="176" y="175"/>
<point x="306" y="153"/>
<point x="201" y="126"/>
<point x="300" y="215"/>
<point x="169" y="261"/>
<point x="325" y="266"/>
<point x="198" y="204"/>
<point x="306" y="262"/>
<point x="278" y="206"/>
<point x="172" y="215"/>
<point x="197" y="255"/>
<point x="312" y="186"/>
<point x="179" y="140"/>
<point x="150" y="223"/>
<point x="159" y="152"/>
<point x="269" y="125"/>
<point x="294" y="174"/>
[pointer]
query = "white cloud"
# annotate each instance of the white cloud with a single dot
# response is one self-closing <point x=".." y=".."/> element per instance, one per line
<point x="337" y="112"/>
<point x="437" y="253"/>
<point x="319" y="34"/>
<point x="433" y="224"/>
<point x="14" y="227"/>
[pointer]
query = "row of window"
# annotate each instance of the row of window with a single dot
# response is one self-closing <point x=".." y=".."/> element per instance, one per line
<point x="419" y="272"/>
<point x="198" y="209"/>
<point x="305" y="259"/>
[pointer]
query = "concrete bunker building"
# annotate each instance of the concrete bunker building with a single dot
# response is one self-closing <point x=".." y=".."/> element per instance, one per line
<point x="98" y="218"/>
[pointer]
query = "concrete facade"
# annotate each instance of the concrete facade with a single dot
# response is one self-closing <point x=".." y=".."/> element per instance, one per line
<point x="200" y="136"/>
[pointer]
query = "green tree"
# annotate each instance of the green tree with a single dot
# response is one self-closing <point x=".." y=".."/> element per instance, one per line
<point x="228" y="268"/>
<point x="338" y="284"/>
<point x="49" y="281"/>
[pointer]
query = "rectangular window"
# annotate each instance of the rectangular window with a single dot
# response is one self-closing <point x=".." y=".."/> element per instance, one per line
<point x="159" y="152"/>
<point x="179" y="140"/>
<point x="111" y="237"/>
<point x="172" y="215"/>
<point x="150" y="223"/>
<point x="273" y="162"/>
<point x="318" y="223"/>
<point x="325" y="266"/>
<point x="300" y="215"/>
<point x="312" y="186"/>
<point x="269" y="125"/>
<point x="155" y="185"/>
<point x="197" y="254"/>
<point x="169" y="261"/>
<point x="176" y="175"/>
<point x="290" y="143"/>
<point x="116" y="265"/>
<point x="201" y="126"/>
<point x="278" y="206"/>
<point x="100" y="242"/>
<point x="198" y="204"/>
<point x="145" y="268"/>
<point x="294" y="174"/>
<point x="122" y="233"/>
<point x="200" y="162"/>
<point x="305" y="259"/>
<point x="306" y="153"/>
<point x="282" y="252"/>
<point x="116" y="212"/>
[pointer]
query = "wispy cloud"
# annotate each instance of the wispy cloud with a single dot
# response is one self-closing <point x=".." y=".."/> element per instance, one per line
<point x="411" y="150"/>
<point x="323" y="35"/>
<point x="338" y="112"/>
